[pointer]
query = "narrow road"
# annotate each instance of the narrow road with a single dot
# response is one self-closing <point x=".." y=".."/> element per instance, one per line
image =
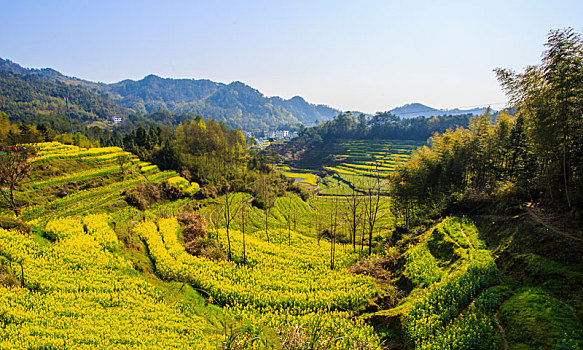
<point x="550" y="227"/>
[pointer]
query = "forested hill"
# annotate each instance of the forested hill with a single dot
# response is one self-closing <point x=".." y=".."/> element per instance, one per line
<point x="34" y="100"/>
<point x="236" y="104"/>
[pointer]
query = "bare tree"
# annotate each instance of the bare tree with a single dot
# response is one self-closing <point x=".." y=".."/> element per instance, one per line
<point x="243" y="212"/>
<point x="14" y="167"/>
<point x="354" y="201"/>
<point x="372" y="203"/>
<point x="268" y="198"/>
<point x="333" y="229"/>
<point x="213" y="215"/>
<point x="362" y="238"/>
<point x="230" y="210"/>
<point x="289" y="220"/>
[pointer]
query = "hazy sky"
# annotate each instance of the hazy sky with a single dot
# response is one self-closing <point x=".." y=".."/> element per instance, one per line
<point x="352" y="55"/>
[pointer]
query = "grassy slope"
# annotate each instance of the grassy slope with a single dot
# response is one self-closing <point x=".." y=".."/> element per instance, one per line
<point x="531" y="298"/>
<point x="545" y="272"/>
<point x="535" y="266"/>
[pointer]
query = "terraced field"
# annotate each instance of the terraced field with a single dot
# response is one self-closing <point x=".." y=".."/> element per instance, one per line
<point x="95" y="272"/>
<point x="357" y="162"/>
<point x="69" y="180"/>
<point x="372" y="157"/>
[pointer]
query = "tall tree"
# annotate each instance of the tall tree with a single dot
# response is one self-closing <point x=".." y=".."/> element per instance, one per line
<point x="548" y="97"/>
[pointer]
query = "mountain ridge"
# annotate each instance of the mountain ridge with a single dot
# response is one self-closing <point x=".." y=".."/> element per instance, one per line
<point x="236" y="104"/>
<point x="416" y="109"/>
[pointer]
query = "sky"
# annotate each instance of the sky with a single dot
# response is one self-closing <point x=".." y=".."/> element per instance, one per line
<point x="352" y="55"/>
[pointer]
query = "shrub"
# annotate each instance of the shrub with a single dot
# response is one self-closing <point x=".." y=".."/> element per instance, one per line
<point x="300" y="191"/>
<point x="209" y="191"/>
<point x="206" y="247"/>
<point x="194" y="225"/>
<point x="7" y="277"/>
<point x="11" y="223"/>
<point x="168" y="191"/>
<point x="143" y="196"/>
<point x="147" y="194"/>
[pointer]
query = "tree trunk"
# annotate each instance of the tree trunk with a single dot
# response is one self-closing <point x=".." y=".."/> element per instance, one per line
<point x="229" y="242"/>
<point x="243" y="230"/>
<point x="266" y="232"/>
<point x="565" y="175"/>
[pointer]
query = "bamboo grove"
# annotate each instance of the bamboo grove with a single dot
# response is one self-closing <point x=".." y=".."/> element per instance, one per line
<point x="532" y="154"/>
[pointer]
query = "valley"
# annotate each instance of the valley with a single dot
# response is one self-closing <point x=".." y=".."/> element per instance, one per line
<point x="171" y="227"/>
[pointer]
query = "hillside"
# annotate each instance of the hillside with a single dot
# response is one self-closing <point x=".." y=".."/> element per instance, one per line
<point x="236" y="104"/>
<point x="414" y="110"/>
<point x="87" y="270"/>
<point x="459" y="283"/>
<point x="32" y="98"/>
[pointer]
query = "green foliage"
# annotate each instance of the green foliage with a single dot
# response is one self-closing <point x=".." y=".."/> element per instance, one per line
<point x="433" y="316"/>
<point x="26" y="98"/>
<point x="210" y="151"/>
<point x="421" y="267"/>
<point x="536" y="321"/>
<point x="548" y="98"/>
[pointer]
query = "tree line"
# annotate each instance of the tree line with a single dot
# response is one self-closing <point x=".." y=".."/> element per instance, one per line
<point x="533" y="155"/>
<point x="315" y="146"/>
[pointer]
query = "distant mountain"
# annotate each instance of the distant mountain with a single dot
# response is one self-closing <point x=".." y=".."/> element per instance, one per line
<point x="413" y="110"/>
<point x="235" y="104"/>
<point x="46" y="74"/>
<point x="306" y="112"/>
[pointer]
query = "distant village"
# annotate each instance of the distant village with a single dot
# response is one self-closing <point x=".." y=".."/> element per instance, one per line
<point x="265" y="138"/>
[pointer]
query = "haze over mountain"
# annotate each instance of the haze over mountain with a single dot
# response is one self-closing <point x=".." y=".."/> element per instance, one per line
<point x="413" y="110"/>
<point x="235" y="104"/>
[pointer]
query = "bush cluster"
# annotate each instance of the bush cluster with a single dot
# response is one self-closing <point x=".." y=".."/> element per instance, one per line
<point x="147" y="194"/>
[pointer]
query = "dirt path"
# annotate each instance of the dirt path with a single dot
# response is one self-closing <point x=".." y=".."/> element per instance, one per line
<point x="550" y="227"/>
<point x="467" y="239"/>
<point x="502" y="332"/>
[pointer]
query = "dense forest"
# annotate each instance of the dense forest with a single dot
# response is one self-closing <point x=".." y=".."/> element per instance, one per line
<point x="31" y="99"/>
